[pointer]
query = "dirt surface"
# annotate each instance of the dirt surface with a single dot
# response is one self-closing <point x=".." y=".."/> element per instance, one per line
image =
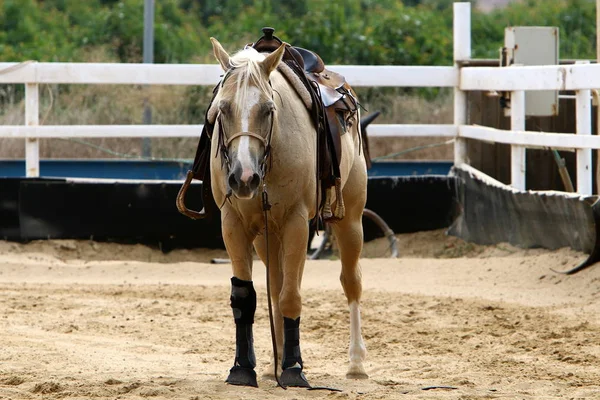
<point x="448" y="320"/>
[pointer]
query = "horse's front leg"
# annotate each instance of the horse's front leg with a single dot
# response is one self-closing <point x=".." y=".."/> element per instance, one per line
<point x="243" y="299"/>
<point x="294" y="241"/>
<point x="275" y="278"/>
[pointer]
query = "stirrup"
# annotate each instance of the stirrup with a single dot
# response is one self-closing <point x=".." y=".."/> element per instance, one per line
<point x="327" y="214"/>
<point x="340" y="209"/>
<point x="181" y="200"/>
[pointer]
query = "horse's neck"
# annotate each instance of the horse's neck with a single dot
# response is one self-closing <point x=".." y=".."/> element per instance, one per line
<point x="294" y="141"/>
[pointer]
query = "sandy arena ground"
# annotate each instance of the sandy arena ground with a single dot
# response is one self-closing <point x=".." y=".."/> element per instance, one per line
<point x="448" y="320"/>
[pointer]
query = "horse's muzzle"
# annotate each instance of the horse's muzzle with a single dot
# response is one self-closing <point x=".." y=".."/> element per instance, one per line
<point x="243" y="183"/>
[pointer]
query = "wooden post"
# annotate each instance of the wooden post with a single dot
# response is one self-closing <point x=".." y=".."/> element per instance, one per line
<point x="598" y="105"/>
<point x="32" y="117"/>
<point x="517" y="153"/>
<point x="462" y="52"/>
<point x="584" y="127"/>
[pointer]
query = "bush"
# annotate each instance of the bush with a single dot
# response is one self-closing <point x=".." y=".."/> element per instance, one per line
<point x="575" y="19"/>
<point x="349" y="32"/>
<point x="67" y="30"/>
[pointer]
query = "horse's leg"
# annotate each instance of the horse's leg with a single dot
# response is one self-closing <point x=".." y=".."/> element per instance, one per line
<point x="349" y="235"/>
<point x="243" y="298"/>
<point x="294" y="242"/>
<point x="275" y="278"/>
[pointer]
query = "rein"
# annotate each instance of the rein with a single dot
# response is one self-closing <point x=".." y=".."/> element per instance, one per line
<point x="266" y="206"/>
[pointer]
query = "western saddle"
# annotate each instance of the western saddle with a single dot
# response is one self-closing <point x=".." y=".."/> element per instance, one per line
<point x="333" y="107"/>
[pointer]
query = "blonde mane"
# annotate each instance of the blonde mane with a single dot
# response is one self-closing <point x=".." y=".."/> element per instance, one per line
<point x="246" y="72"/>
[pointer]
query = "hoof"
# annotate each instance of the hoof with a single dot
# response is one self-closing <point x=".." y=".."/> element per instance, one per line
<point x="357" y="375"/>
<point x="356" y="372"/>
<point x="293" y="377"/>
<point x="241" y="376"/>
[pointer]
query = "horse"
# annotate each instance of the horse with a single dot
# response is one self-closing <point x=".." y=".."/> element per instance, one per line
<point x="265" y="145"/>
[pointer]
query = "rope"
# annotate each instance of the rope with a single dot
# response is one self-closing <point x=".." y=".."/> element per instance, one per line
<point x="266" y="206"/>
<point x="42" y="122"/>
<point x="189" y="160"/>
<point x="427" y="146"/>
<point x="125" y="155"/>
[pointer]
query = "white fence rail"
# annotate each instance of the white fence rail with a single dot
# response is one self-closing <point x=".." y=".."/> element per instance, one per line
<point x="545" y="77"/>
<point x="579" y="77"/>
<point x="209" y="74"/>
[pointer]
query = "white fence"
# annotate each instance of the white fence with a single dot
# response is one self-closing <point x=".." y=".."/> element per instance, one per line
<point x="579" y="77"/>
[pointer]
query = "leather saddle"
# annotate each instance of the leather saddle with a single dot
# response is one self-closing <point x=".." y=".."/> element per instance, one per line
<point x="334" y="107"/>
<point x="310" y="62"/>
<point x="334" y="97"/>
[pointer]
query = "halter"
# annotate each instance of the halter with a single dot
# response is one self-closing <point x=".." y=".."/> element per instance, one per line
<point x="225" y="142"/>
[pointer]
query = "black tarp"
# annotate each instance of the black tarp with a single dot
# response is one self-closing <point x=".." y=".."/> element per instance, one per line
<point x="144" y="212"/>
<point x="486" y="212"/>
<point x="491" y="212"/>
<point x="120" y="212"/>
<point x="411" y="203"/>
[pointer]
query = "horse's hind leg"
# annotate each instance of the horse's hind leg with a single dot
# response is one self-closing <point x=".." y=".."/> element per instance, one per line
<point x="349" y="235"/>
<point x="243" y="299"/>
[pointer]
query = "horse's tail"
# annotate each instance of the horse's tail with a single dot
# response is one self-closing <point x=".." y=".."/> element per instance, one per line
<point x="364" y="122"/>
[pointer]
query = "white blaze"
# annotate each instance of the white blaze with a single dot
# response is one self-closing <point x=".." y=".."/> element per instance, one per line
<point x="244" y="146"/>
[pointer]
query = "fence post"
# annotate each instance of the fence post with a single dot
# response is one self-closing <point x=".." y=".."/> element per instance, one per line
<point x="32" y="118"/>
<point x="584" y="127"/>
<point x="462" y="52"/>
<point x="517" y="153"/>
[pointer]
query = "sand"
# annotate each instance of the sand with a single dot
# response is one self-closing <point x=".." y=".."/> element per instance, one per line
<point x="448" y="320"/>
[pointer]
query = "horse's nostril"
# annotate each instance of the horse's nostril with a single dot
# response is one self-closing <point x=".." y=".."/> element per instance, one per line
<point x="255" y="181"/>
<point x="232" y="181"/>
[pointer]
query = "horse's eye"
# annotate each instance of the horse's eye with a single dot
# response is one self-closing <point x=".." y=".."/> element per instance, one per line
<point x="224" y="106"/>
<point x="269" y="107"/>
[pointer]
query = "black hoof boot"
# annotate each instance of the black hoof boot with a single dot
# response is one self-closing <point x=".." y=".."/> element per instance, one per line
<point x="292" y="374"/>
<point x="241" y="376"/>
<point x="293" y="377"/>
<point x="243" y="304"/>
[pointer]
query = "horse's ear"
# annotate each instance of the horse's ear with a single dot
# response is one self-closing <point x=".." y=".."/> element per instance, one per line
<point x="220" y="54"/>
<point x="272" y="60"/>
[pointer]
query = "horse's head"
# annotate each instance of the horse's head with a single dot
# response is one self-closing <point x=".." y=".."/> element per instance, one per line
<point x="246" y="116"/>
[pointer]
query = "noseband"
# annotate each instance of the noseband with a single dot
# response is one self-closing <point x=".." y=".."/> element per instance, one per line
<point x="225" y="142"/>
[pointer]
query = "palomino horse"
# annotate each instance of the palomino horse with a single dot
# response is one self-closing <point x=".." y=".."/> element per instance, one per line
<point x="265" y="141"/>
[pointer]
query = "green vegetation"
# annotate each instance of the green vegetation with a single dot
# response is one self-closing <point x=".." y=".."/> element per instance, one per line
<point x="575" y="19"/>
<point x="418" y="32"/>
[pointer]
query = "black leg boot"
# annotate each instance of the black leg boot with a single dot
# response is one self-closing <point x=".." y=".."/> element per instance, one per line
<point x="243" y="304"/>
<point x="292" y="374"/>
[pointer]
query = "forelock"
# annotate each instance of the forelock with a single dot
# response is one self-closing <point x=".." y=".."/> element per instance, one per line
<point x="246" y="72"/>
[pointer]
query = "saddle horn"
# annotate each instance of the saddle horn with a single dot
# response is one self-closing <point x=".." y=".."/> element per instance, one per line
<point x="269" y="43"/>
<point x="365" y="121"/>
